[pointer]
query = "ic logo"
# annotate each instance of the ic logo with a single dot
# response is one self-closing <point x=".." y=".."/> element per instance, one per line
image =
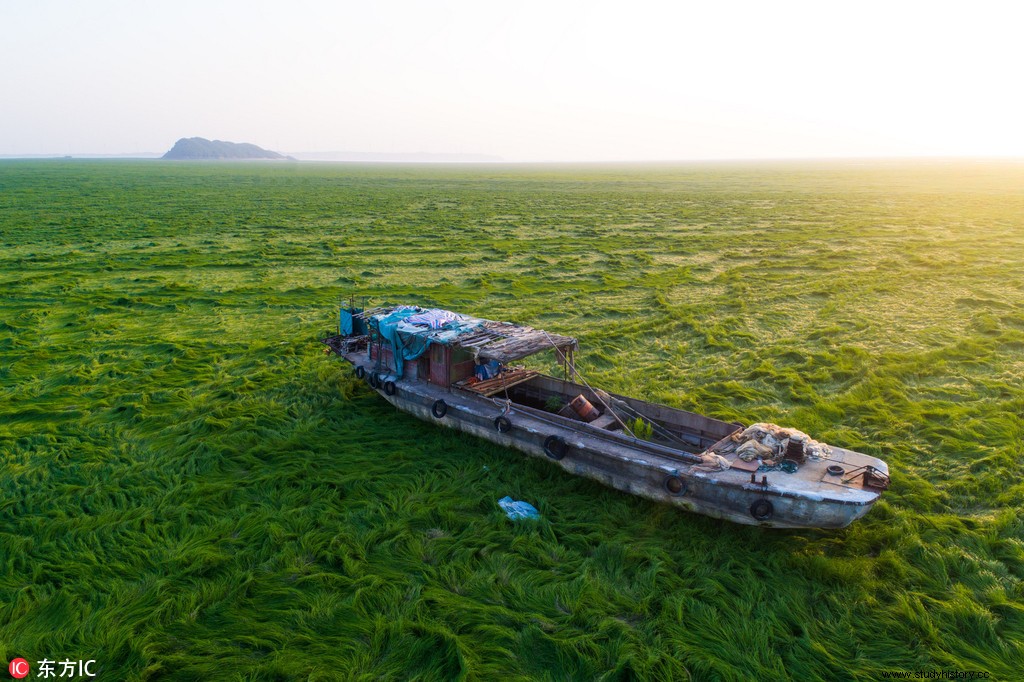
<point x="18" y="668"/>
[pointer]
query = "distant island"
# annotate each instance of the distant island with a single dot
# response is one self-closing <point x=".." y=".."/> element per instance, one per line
<point x="201" y="149"/>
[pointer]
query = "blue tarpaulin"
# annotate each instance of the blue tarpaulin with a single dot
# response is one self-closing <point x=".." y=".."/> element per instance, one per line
<point x="349" y="324"/>
<point x="411" y="331"/>
<point x="345" y="323"/>
<point x="408" y="348"/>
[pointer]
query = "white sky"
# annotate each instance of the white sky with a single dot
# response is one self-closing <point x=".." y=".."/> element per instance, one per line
<point x="522" y="80"/>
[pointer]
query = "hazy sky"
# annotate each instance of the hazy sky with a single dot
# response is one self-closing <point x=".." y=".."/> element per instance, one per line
<point x="521" y="80"/>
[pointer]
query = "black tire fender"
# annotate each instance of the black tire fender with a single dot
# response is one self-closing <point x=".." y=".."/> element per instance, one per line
<point x="762" y="510"/>
<point x="555" y="447"/>
<point x="439" y="409"/>
<point x="390" y="388"/>
<point x="359" y="372"/>
<point x="503" y="424"/>
<point x="374" y="380"/>
<point x="675" y="485"/>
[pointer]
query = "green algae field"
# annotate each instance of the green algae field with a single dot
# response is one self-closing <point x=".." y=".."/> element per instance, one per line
<point x="190" y="489"/>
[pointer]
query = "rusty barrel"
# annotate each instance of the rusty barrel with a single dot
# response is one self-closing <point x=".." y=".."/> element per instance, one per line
<point x="584" y="409"/>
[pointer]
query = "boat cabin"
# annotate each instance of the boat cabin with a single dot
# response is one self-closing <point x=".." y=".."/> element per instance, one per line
<point x="446" y="348"/>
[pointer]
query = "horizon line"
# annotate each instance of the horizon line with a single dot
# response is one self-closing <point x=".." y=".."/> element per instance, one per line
<point x="497" y="161"/>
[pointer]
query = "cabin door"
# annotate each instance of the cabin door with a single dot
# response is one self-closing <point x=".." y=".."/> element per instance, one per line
<point x="439" y="364"/>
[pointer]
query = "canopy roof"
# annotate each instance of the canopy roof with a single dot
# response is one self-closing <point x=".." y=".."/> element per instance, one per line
<point x="415" y="327"/>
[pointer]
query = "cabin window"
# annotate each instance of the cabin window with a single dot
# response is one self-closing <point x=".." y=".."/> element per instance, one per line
<point x="462" y="365"/>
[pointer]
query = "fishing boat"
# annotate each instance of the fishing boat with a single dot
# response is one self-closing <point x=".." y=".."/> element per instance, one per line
<point x="460" y="371"/>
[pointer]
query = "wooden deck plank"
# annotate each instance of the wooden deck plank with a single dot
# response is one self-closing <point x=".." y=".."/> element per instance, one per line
<point x="498" y="384"/>
<point x="605" y="421"/>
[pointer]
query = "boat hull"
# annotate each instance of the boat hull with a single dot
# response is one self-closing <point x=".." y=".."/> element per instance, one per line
<point x="627" y="466"/>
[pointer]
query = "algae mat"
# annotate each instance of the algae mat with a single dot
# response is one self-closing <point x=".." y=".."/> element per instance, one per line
<point x="190" y="489"/>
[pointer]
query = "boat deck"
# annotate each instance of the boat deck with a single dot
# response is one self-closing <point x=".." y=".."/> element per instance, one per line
<point x="811" y="477"/>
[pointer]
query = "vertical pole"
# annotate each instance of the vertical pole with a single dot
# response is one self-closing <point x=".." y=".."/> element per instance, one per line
<point x="448" y="366"/>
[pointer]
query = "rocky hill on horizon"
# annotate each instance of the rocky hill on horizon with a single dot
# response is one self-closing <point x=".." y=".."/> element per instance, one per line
<point x="201" y="149"/>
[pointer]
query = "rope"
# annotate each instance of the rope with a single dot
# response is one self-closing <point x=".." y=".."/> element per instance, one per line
<point x="581" y="378"/>
<point x="664" y="433"/>
<point x="508" y="405"/>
